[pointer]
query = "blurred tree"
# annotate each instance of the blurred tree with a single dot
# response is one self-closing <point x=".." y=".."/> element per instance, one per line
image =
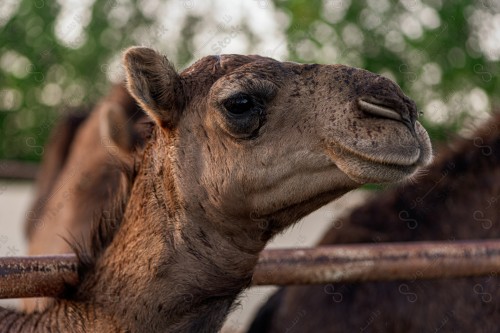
<point x="46" y="63"/>
<point x="55" y="55"/>
<point x="64" y="54"/>
<point x="443" y="53"/>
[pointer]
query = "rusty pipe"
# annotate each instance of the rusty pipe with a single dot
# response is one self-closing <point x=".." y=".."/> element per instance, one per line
<point x="47" y="276"/>
<point x="37" y="276"/>
<point x="378" y="262"/>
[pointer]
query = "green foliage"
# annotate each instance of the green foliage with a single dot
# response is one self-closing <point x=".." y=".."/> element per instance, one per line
<point x="52" y="57"/>
<point x="40" y="73"/>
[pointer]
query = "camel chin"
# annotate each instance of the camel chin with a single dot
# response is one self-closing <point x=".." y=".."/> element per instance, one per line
<point x="386" y="164"/>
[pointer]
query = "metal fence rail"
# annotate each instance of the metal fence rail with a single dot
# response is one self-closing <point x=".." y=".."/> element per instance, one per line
<point x="17" y="170"/>
<point x="47" y="275"/>
<point x="378" y="262"/>
<point x="37" y="276"/>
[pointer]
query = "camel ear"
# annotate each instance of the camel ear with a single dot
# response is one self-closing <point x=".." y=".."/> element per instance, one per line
<point x="155" y="85"/>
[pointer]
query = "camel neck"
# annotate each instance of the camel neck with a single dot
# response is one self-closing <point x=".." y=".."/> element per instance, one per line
<point x="176" y="271"/>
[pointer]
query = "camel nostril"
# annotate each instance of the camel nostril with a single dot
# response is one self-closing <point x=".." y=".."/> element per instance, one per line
<point x="378" y="110"/>
<point x="395" y="111"/>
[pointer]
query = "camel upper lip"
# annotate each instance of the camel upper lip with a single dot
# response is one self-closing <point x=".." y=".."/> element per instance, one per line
<point x="379" y="110"/>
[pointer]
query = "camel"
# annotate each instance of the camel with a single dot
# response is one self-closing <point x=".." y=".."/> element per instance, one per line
<point x="458" y="199"/>
<point x="80" y="171"/>
<point x="55" y="154"/>
<point x="242" y="147"/>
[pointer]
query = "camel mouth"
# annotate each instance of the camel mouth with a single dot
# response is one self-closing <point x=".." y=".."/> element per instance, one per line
<point x="393" y="161"/>
<point x="378" y="110"/>
<point x="380" y="172"/>
<point x="367" y="169"/>
<point x="407" y="156"/>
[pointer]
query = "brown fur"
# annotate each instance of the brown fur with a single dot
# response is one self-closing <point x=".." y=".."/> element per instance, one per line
<point x="56" y="152"/>
<point x="82" y="170"/>
<point x="217" y="180"/>
<point x="458" y="199"/>
<point x="84" y="176"/>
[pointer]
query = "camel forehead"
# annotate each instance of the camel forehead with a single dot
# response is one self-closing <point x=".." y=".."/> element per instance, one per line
<point x="229" y="62"/>
<point x="216" y="66"/>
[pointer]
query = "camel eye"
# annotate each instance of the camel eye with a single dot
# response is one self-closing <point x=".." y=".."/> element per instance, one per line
<point x="242" y="114"/>
<point x="239" y="104"/>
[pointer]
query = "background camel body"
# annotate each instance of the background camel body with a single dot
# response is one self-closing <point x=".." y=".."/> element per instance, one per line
<point x="457" y="199"/>
<point x="55" y="155"/>
<point x="80" y="172"/>
<point x="225" y="169"/>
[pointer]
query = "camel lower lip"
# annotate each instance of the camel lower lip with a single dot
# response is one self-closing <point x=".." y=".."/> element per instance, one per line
<point x="397" y="173"/>
<point x="402" y="161"/>
<point x="362" y="169"/>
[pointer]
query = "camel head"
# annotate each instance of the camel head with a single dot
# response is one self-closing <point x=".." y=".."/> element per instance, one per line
<point x="251" y="138"/>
